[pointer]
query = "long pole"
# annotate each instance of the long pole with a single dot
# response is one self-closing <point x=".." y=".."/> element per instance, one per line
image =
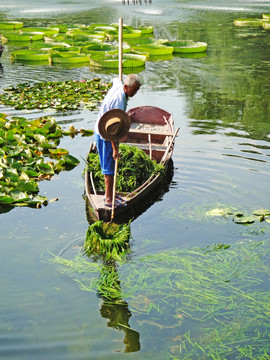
<point x="120" y="41"/>
<point x="120" y="44"/>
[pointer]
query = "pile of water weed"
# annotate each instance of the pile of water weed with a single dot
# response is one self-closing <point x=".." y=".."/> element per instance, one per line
<point x="134" y="168"/>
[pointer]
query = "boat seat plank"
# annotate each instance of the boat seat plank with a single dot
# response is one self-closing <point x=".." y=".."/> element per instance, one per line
<point x="141" y="128"/>
<point x="146" y="146"/>
<point x="151" y="132"/>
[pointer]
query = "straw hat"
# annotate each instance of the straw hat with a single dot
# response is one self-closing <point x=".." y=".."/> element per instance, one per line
<point x="114" y="125"/>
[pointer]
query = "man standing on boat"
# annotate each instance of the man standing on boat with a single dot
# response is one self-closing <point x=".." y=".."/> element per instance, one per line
<point x="116" y="98"/>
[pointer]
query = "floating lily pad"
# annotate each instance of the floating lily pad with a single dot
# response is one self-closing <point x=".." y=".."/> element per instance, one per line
<point x="217" y="212"/>
<point x="22" y="160"/>
<point x="32" y="55"/>
<point x="112" y="61"/>
<point x="154" y="49"/>
<point x="261" y="212"/>
<point x="244" y="220"/>
<point x="187" y="46"/>
<point x="248" y="22"/>
<point x="146" y="29"/>
<point x="13" y="36"/>
<point x="68" y="95"/>
<point x="11" y="25"/>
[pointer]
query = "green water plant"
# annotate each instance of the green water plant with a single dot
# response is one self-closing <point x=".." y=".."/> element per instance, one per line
<point x="255" y="22"/>
<point x="108" y="240"/>
<point x="29" y="153"/>
<point x="139" y="45"/>
<point x="134" y="168"/>
<point x="209" y="303"/>
<point x="206" y="213"/>
<point x="187" y="46"/>
<point x="10" y="25"/>
<point x="109" y="60"/>
<point x="59" y="95"/>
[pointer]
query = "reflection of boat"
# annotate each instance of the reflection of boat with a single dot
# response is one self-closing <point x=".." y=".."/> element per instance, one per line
<point x="152" y="130"/>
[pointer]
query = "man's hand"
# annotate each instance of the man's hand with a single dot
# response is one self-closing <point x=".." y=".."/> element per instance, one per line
<point x="115" y="146"/>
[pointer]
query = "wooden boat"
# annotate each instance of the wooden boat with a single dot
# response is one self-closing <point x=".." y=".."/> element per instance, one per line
<point x="152" y="130"/>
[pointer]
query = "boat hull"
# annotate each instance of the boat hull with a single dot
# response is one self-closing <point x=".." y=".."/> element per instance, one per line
<point x="152" y="129"/>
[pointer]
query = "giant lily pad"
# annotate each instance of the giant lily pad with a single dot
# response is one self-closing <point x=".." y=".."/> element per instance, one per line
<point x="248" y="22"/>
<point x="112" y="61"/>
<point x="154" y="49"/>
<point x="187" y="46"/>
<point x="45" y="30"/>
<point x="29" y="55"/>
<point x="69" y="58"/>
<point x="11" y="25"/>
<point x="13" y="36"/>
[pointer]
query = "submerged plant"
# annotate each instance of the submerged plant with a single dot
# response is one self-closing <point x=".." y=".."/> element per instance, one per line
<point x="205" y="303"/>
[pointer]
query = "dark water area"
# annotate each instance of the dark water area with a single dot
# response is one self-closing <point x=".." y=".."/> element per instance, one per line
<point x="195" y="285"/>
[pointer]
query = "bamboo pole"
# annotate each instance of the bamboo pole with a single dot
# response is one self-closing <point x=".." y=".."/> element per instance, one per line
<point x="114" y="184"/>
<point x="120" y="42"/>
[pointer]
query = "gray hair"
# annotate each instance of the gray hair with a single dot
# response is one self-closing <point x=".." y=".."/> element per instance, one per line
<point x="131" y="80"/>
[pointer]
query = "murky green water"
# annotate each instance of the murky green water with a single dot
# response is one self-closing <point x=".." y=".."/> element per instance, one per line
<point x="180" y="302"/>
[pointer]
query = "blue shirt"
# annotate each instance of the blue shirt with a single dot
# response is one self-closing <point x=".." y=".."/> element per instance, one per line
<point x="115" y="99"/>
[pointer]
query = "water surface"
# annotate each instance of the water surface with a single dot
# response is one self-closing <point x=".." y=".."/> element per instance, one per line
<point x="221" y="159"/>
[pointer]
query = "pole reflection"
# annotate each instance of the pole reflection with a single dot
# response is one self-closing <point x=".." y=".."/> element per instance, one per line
<point x="117" y="313"/>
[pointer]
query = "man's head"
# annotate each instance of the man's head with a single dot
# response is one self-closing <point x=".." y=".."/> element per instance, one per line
<point x="131" y="84"/>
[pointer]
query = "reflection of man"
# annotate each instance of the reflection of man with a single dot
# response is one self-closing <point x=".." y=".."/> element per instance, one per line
<point x="118" y="316"/>
<point x="116" y="98"/>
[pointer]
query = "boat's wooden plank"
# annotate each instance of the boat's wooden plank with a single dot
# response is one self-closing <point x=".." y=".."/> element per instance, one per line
<point x="98" y="200"/>
<point x="146" y="146"/>
<point x="143" y="128"/>
<point x="151" y="132"/>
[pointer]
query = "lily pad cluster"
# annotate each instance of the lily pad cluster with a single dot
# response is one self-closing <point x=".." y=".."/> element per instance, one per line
<point x="29" y="153"/>
<point x="205" y="213"/>
<point x="240" y="217"/>
<point x="94" y="44"/>
<point x="256" y="22"/>
<point x="67" y="95"/>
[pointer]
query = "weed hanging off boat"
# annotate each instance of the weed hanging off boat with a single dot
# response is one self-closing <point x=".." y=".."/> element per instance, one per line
<point x="109" y="240"/>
